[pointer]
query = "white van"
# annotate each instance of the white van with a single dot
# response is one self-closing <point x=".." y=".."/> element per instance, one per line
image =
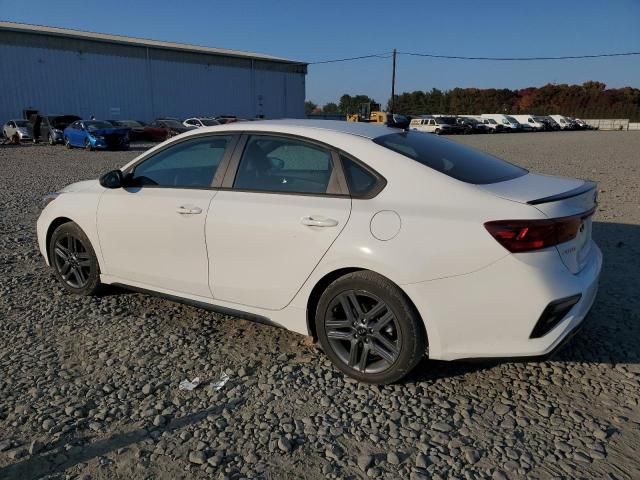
<point x="509" y="123"/>
<point x="531" y="121"/>
<point x="432" y="124"/>
<point x="564" y="122"/>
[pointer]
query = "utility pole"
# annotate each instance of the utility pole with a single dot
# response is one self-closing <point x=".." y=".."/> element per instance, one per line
<point x="393" y="84"/>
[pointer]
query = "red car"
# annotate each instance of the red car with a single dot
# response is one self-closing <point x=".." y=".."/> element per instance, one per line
<point x="164" y="128"/>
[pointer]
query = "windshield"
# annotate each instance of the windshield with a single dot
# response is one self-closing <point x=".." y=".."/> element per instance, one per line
<point x="97" y="125"/>
<point x="63" y="122"/>
<point x="511" y="119"/>
<point x="453" y="159"/>
<point x="492" y="121"/>
<point x="22" y="123"/>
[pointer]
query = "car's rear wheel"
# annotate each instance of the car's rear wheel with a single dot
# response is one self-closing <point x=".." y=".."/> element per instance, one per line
<point x="369" y="329"/>
<point x="73" y="259"/>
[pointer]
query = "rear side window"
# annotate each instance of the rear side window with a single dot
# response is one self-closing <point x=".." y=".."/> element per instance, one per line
<point x="361" y="182"/>
<point x="451" y="158"/>
<point x="275" y="164"/>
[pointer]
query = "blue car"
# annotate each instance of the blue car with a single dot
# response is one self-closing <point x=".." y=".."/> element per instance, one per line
<point x="96" y="135"/>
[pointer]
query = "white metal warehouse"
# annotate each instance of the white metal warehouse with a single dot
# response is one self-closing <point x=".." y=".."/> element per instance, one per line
<point x="62" y="71"/>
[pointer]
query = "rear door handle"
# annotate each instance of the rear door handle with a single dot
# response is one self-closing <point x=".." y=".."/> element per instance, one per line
<point x="319" y="222"/>
<point x="188" y="210"/>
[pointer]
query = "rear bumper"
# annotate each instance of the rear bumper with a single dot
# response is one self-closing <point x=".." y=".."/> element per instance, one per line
<point x="491" y="313"/>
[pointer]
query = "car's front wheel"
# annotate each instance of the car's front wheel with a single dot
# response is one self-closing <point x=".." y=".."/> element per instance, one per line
<point x="67" y="143"/>
<point x="87" y="144"/>
<point x="51" y="140"/>
<point x="73" y="259"/>
<point x="369" y="329"/>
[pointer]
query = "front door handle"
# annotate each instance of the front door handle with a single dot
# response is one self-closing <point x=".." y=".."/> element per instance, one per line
<point x="188" y="210"/>
<point x="319" y="222"/>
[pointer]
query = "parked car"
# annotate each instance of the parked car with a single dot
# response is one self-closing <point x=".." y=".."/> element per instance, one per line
<point x="582" y="125"/>
<point x="548" y="122"/>
<point x="22" y="127"/>
<point x="509" y="123"/>
<point x="96" y="135"/>
<point x="52" y="127"/>
<point x="530" y="121"/>
<point x="164" y="128"/>
<point x="494" y="127"/>
<point x="200" y="122"/>
<point x="446" y="246"/>
<point x="135" y="127"/>
<point x="564" y="122"/>
<point x="431" y="124"/>
<point x="471" y="125"/>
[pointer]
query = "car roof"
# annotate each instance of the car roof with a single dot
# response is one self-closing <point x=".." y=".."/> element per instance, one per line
<point x="360" y="129"/>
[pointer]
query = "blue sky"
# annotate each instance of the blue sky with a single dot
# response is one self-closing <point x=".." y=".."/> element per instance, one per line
<point x="318" y="30"/>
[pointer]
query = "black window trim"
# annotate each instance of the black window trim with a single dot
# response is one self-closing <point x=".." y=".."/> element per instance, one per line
<point x="379" y="185"/>
<point x="216" y="182"/>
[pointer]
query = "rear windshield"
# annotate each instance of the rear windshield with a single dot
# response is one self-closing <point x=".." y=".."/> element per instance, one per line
<point x="451" y="158"/>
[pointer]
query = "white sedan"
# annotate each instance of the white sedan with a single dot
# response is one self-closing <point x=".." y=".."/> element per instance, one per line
<point x="384" y="245"/>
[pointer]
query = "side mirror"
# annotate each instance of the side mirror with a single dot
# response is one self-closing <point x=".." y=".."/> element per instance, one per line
<point x="112" y="179"/>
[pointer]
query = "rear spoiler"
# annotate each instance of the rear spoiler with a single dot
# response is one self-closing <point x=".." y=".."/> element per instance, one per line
<point x="588" y="185"/>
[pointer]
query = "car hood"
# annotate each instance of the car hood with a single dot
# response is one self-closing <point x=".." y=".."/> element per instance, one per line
<point x="81" y="186"/>
<point x="109" y="131"/>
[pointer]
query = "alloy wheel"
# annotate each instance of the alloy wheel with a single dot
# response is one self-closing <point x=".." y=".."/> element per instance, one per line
<point x="72" y="261"/>
<point x="363" y="331"/>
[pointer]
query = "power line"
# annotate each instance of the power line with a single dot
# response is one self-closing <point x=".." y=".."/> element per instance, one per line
<point x="373" y="55"/>
<point x="519" y="59"/>
<point x="460" y="57"/>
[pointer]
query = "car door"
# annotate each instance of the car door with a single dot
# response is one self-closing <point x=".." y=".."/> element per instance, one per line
<point x="283" y="204"/>
<point x="77" y="135"/>
<point x="152" y="233"/>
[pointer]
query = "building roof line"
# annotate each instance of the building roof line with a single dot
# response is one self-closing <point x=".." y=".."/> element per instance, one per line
<point x="140" y="42"/>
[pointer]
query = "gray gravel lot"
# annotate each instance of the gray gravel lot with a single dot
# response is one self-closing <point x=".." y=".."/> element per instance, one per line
<point x="89" y="386"/>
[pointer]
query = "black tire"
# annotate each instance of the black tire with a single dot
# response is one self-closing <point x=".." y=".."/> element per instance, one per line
<point x="383" y="347"/>
<point x="52" y="142"/>
<point x="67" y="143"/>
<point x="437" y="132"/>
<point x="73" y="260"/>
<point x="87" y="145"/>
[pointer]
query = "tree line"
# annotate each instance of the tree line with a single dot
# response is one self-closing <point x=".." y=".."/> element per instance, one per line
<point x="590" y="100"/>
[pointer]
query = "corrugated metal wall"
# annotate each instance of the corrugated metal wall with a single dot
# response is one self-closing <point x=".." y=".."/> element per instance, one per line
<point x="63" y="75"/>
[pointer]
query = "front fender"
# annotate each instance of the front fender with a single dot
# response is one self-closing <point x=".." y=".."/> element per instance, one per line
<point x="78" y="206"/>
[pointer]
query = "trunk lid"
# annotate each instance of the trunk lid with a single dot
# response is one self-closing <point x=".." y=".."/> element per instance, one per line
<point x="556" y="197"/>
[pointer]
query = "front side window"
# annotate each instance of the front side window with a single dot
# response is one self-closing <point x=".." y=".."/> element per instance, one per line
<point x="451" y="158"/>
<point x="277" y="164"/>
<point x="190" y="164"/>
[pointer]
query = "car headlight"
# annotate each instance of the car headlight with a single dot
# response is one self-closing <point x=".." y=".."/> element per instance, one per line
<point x="47" y="199"/>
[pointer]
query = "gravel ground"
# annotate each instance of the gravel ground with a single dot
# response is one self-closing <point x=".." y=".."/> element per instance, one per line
<point x="89" y="386"/>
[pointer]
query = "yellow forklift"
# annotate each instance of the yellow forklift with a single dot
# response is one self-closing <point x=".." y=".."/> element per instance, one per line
<point x="370" y="113"/>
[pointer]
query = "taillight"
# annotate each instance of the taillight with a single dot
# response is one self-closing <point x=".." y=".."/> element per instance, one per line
<point x="527" y="235"/>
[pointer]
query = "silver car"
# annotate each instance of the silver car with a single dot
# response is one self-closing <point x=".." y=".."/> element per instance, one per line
<point x="22" y="127"/>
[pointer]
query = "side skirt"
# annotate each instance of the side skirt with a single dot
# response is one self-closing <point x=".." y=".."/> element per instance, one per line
<point x="205" y="306"/>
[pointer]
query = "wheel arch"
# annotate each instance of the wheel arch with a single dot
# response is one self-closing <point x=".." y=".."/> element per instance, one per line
<point x="52" y="228"/>
<point x="322" y="284"/>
